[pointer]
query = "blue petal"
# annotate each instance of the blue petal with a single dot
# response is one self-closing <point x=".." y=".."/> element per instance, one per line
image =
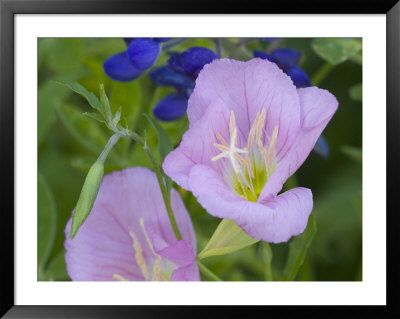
<point x="322" y="147"/>
<point x="119" y="68"/>
<point x="143" y="52"/>
<point x="286" y="58"/>
<point x="171" y="107"/>
<point x="270" y="39"/>
<point x="161" y="39"/>
<point x="192" y="60"/>
<point x="165" y="76"/>
<point x="264" y="56"/>
<point x="298" y="76"/>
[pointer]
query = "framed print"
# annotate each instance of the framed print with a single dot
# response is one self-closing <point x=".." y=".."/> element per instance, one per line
<point x="159" y="155"/>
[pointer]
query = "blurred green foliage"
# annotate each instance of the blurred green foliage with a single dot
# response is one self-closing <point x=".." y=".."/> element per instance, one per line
<point x="69" y="143"/>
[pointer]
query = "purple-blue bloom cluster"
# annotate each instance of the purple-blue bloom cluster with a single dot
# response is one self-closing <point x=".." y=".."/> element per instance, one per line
<point x="180" y="72"/>
<point x="140" y="55"/>
<point x="287" y="60"/>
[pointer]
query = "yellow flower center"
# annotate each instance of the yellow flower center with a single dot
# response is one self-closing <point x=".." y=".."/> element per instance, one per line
<point x="247" y="169"/>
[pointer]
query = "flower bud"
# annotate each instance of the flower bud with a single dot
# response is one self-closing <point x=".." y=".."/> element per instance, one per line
<point x="87" y="197"/>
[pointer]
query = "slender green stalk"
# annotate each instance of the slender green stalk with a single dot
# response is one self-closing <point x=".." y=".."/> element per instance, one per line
<point x="110" y="144"/>
<point x="165" y="193"/>
<point x="321" y="73"/>
<point x="207" y="272"/>
<point x="267" y="253"/>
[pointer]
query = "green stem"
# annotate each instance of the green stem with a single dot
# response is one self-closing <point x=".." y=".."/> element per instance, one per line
<point x="321" y="73"/>
<point x="164" y="191"/>
<point x="207" y="272"/>
<point x="110" y="144"/>
<point x="267" y="253"/>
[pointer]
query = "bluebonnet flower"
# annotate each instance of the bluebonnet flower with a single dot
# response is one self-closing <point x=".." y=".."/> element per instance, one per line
<point x="180" y="72"/>
<point x="270" y="39"/>
<point x="287" y="60"/>
<point x="140" y="55"/>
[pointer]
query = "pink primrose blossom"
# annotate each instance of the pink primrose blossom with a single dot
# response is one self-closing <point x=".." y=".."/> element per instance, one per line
<point x="250" y="129"/>
<point x="128" y="235"/>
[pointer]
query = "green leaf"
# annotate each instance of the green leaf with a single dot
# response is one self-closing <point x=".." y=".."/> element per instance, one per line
<point x="56" y="271"/>
<point x="87" y="197"/>
<point x="47" y="222"/>
<point x="87" y="132"/>
<point x="117" y="116"/>
<point x="95" y="116"/>
<point x="105" y="103"/>
<point x="298" y="249"/>
<point x="89" y="96"/>
<point x="227" y="238"/>
<point x="352" y="152"/>
<point x="356" y="92"/>
<point x="164" y="142"/>
<point x="336" y="50"/>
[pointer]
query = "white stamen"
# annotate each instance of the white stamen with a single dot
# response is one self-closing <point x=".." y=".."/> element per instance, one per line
<point x="248" y="164"/>
<point x="157" y="263"/>
<point x="139" y="256"/>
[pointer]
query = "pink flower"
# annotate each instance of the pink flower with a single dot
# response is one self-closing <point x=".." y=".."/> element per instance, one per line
<point x="250" y="130"/>
<point x="128" y="235"/>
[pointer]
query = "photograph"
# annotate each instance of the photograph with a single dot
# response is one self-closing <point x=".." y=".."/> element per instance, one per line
<point x="200" y="159"/>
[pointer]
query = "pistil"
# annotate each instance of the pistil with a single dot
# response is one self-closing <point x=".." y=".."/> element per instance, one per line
<point x="250" y="166"/>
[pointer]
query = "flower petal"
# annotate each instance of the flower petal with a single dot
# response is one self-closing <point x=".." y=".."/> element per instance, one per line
<point x="119" y="68"/>
<point x="180" y="253"/>
<point x="197" y="145"/>
<point x="276" y="221"/>
<point x="104" y="245"/>
<point x="286" y="58"/>
<point x="161" y="39"/>
<point x="317" y="108"/>
<point x="143" y="52"/>
<point x="171" y="107"/>
<point x="248" y="87"/>
<point x="298" y="76"/>
<point x="192" y="60"/>
<point x="187" y="273"/>
<point x="168" y="77"/>
<point x="270" y="39"/>
<point x="264" y="56"/>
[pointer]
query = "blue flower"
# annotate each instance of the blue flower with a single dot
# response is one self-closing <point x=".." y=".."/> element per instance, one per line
<point x="270" y="39"/>
<point x="180" y="72"/>
<point x="140" y="55"/>
<point x="119" y="68"/>
<point x="287" y="60"/>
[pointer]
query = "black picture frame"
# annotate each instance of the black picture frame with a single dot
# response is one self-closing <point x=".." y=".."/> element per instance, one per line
<point x="8" y="10"/>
